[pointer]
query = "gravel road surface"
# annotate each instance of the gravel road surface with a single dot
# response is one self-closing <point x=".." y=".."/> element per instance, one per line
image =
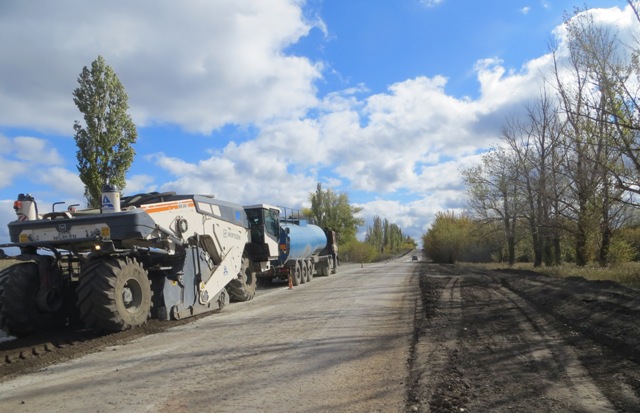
<point x="337" y="344"/>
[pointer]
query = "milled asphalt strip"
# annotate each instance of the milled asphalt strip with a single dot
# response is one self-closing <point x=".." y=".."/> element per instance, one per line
<point x="432" y="357"/>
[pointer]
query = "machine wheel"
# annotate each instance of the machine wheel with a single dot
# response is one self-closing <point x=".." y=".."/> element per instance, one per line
<point x="22" y="311"/>
<point x="296" y="274"/>
<point x="114" y="294"/>
<point x="4" y="276"/>
<point x="243" y="288"/>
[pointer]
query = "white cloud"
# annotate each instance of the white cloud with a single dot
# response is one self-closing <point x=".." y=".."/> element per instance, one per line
<point x="140" y="183"/>
<point x="36" y="150"/>
<point x="10" y="170"/>
<point x="198" y="64"/>
<point x="525" y="10"/>
<point x="24" y="158"/>
<point x="431" y="3"/>
<point x="62" y="182"/>
<point x="240" y="173"/>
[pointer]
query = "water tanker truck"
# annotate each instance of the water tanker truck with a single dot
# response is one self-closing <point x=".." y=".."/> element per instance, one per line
<point x="305" y="250"/>
<point x="158" y="255"/>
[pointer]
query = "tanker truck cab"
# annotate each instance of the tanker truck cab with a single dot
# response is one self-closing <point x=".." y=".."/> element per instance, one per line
<point x="264" y="226"/>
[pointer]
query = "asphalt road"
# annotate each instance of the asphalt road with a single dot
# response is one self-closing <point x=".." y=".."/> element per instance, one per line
<point x="337" y="344"/>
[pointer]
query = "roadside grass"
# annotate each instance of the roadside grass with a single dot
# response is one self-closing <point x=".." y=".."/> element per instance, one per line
<point x="627" y="273"/>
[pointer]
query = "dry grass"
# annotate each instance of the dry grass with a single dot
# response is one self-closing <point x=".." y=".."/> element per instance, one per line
<point x="627" y="273"/>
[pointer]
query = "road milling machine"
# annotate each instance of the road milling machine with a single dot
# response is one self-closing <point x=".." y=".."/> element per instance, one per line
<point x="158" y="255"/>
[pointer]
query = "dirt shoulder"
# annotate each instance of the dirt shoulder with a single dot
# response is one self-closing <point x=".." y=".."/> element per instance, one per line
<point x="510" y="342"/>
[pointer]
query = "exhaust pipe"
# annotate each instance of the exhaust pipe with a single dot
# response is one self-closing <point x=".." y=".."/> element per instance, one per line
<point x="26" y="208"/>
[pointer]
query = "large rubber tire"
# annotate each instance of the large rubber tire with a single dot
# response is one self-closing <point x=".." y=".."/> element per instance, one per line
<point x="4" y="276"/>
<point x="296" y="274"/>
<point x="20" y="314"/>
<point x="243" y="288"/>
<point x="323" y="268"/>
<point x="304" y="271"/>
<point x="310" y="269"/>
<point x="114" y="294"/>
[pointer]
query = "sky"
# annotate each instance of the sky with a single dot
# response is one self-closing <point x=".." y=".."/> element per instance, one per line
<point x="258" y="101"/>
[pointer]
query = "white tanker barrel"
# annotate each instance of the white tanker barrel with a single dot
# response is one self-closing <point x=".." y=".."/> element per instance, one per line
<point x="305" y="240"/>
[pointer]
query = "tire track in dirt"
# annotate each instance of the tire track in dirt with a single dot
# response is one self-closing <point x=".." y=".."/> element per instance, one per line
<point x="479" y="346"/>
<point x="600" y="323"/>
<point x="556" y="363"/>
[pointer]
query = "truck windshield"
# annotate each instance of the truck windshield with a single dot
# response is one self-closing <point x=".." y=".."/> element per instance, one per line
<point x="261" y="221"/>
<point x="271" y="222"/>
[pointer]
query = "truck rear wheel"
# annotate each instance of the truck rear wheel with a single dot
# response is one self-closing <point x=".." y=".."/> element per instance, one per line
<point x="243" y="288"/>
<point x="304" y="271"/>
<point x="22" y="310"/>
<point x="296" y="274"/>
<point x="114" y="294"/>
<point x="322" y="268"/>
<point x="310" y="269"/>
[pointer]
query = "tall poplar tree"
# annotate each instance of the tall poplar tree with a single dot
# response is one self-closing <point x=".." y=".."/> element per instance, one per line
<point x="105" y="140"/>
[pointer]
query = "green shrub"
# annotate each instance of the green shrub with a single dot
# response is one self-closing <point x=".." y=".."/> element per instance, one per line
<point x="448" y="237"/>
<point x="356" y="251"/>
<point x="621" y="251"/>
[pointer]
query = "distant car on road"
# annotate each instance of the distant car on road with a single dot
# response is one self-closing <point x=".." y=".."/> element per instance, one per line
<point x="414" y="258"/>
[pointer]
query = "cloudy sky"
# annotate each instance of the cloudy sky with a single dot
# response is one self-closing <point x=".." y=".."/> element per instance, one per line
<point x="258" y="101"/>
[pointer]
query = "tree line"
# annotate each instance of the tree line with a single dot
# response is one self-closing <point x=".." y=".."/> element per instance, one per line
<point x="562" y="183"/>
<point x="333" y="210"/>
